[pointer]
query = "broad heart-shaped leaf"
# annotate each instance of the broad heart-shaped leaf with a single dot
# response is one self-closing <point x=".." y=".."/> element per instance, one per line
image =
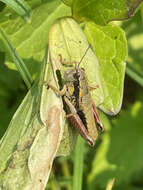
<point x="102" y="12"/>
<point x="29" y="146"/>
<point x="31" y="38"/>
<point x="69" y="135"/>
<point x="109" y="43"/>
<point x="120" y="154"/>
<point x="67" y="39"/>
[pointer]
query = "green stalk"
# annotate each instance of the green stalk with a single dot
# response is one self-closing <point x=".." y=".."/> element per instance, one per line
<point x="78" y="164"/>
<point x="66" y="174"/>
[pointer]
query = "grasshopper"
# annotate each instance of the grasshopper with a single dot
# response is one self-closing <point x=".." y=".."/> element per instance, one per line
<point x="78" y="104"/>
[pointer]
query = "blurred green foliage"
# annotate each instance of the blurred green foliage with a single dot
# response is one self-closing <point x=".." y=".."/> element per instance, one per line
<point x="118" y="153"/>
<point x="12" y="91"/>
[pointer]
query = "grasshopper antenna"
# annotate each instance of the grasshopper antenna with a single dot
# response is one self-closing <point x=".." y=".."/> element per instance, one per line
<point x="83" y="56"/>
<point x="78" y="63"/>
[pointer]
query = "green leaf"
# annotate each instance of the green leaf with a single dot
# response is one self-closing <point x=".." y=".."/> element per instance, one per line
<point x="120" y="153"/>
<point x="20" y="6"/>
<point x="68" y="40"/>
<point x="67" y="2"/>
<point x="68" y="140"/>
<point x="18" y="62"/>
<point x="68" y="136"/>
<point x="110" y="46"/>
<point x="30" y="39"/>
<point x="102" y="12"/>
<point x="29" y="145"/>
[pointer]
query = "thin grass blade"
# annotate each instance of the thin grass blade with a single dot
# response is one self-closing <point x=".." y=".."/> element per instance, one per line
<point x="18" y="61"/>
<point x="20" y="7"/>
<point x="134" y="73"/>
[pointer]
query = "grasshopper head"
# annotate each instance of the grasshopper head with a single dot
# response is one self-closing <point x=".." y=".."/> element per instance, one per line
<point x="74" y="74"/>
<point x="69" y="75"/>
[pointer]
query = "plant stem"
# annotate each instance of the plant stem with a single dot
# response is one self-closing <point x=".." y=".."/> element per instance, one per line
<point x="78" y="164"/>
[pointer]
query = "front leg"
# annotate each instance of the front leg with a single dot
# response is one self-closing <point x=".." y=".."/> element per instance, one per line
<point x="64" y="62"/>
<point x="59" y="92"/>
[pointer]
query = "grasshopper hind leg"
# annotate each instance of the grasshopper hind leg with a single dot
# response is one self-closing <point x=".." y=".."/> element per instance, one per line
<point x="96" y="116"/>
<point x="77" y="122"/>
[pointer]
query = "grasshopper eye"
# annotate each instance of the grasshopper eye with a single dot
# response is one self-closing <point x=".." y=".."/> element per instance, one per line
<point x="69" y="75"/>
